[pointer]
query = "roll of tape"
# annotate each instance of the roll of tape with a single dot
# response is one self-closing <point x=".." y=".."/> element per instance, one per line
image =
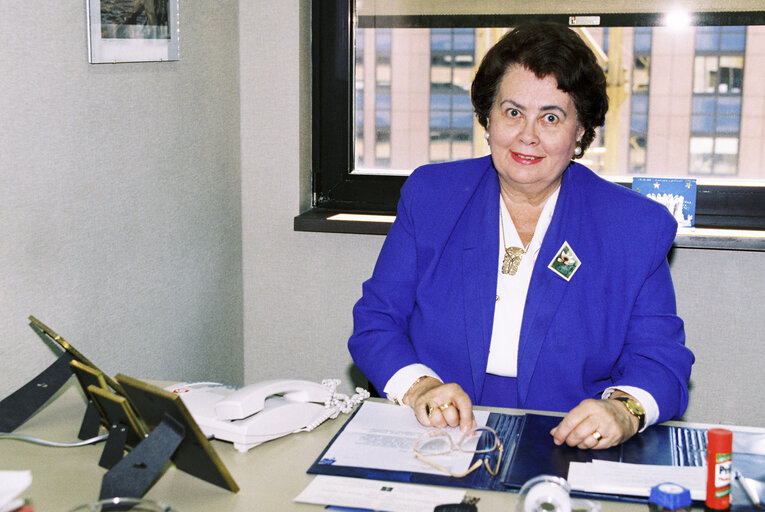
<point x="547" y="496"/>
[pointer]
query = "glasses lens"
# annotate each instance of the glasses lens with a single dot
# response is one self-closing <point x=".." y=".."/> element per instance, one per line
<point x="435" y="442"/>
<point x="479" y="440"/>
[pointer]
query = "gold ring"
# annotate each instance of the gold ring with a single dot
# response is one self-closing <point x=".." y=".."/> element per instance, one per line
<point x="428" y="410"/>
<point x="443" y="407"/>
<point x="597" y="435"/>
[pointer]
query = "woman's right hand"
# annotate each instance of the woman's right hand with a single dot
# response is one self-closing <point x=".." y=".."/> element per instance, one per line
<point x="436" y="404"/>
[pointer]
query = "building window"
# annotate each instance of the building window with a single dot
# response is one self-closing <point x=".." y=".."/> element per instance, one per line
<point x="383" y="78"/>
<point x="718" y="84"/>
<point x="639" y="91"/>
<point x="359" y="98"/>
<point x="452" y="59"/>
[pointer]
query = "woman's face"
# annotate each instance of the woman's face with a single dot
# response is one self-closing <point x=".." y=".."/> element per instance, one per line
<point x="533" y="131"/>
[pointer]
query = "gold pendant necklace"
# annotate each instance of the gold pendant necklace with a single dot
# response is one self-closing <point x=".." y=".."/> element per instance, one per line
<point x="512" y="259"/>
<point x="513" y="255"/>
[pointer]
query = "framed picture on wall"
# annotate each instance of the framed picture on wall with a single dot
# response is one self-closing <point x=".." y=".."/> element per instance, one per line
<point x="132" y="30"/>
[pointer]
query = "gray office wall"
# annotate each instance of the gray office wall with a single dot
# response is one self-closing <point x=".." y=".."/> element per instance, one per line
<point x="120" y="211"/>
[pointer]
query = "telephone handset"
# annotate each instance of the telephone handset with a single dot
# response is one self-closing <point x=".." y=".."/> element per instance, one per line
<point x="263" y="411"/>
<point x="252" y="399"/>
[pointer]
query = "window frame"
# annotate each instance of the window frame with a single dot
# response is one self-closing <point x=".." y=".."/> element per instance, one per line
<point x="335" y="188"/>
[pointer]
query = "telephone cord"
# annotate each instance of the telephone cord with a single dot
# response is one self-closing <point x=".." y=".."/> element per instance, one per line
<point x="337" y="403"/>
<point x="341" y="401"/>
<point x="54" y="444"/>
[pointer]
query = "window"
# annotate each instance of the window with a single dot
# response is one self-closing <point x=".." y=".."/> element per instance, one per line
<point x="678" y="100"/>
<point x="718" y="85"/>
<point x="359" y="99"/>
<point x="452" y="58"/>
<point x="642" y="38"/>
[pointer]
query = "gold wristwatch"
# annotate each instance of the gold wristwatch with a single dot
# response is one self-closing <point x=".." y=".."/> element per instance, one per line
<point x="635" y="409"/>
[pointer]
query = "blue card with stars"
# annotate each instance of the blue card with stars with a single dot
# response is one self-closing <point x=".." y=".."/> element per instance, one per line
<point x="677" y="194"/>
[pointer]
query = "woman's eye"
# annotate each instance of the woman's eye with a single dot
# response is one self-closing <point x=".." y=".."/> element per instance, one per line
<point x="551" y="118"/>
<point x="513" y="112"/>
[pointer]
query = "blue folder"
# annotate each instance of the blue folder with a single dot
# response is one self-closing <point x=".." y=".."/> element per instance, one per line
<point x="529" y="451"/>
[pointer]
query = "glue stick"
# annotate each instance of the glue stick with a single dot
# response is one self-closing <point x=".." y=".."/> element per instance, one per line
<point x="719" y="448"/>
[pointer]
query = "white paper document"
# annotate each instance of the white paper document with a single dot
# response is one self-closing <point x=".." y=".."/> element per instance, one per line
<point x="382" y="436"/>
<point x="12" y="484"/>
<point x="634" y="479"/>
<point x="377" y="495"/>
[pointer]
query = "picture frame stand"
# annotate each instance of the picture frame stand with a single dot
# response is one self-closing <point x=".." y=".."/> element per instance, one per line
<point x="114" y="449"/>
<point x="132" y="476"/>
<point x="91" y="422"/>
<point x="19" y="406"/>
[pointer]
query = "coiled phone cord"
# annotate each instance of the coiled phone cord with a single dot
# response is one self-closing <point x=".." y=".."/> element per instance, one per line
<point x="337" y="403"/>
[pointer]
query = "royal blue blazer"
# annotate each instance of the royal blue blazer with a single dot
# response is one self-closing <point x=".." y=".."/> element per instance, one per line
<point x="431" y="296"/>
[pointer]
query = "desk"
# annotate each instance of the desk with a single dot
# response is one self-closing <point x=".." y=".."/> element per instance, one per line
<point x="269" y="475"/>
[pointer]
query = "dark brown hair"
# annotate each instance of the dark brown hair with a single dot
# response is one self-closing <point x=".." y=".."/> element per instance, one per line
<point x="546" y="49"/>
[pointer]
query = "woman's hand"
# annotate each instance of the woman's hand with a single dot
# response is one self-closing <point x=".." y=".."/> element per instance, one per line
<point x="436" y="404"/>
<point x="596" y="424"/>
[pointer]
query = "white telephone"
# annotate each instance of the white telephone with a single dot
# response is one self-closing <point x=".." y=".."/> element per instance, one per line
<point x="260" y="412"/>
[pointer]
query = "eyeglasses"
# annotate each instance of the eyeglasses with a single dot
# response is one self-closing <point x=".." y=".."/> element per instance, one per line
<point x="478" y="440"/>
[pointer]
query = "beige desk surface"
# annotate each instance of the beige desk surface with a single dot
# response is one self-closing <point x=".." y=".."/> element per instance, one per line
<point x="270" y="475"/>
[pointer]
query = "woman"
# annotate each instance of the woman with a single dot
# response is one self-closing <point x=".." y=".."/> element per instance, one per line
<point x="522" y="279"/>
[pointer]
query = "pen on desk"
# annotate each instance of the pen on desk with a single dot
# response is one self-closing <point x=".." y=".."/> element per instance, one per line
<point x="350" y="509"/>
<point x="750" y="492"/>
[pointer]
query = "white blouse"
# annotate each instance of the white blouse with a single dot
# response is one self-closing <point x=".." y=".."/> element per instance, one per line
<point x="512" y="289"/>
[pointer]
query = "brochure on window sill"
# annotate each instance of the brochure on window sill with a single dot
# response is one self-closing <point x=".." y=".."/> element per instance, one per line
<point x="377" y="443"/>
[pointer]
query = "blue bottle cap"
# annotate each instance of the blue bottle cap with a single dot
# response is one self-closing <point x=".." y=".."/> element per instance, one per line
<point x="670" y="496"/>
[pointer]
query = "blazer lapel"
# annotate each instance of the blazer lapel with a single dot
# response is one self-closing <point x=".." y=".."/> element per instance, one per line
<point x="479" y="272"/>
<point x="546" y="288"/>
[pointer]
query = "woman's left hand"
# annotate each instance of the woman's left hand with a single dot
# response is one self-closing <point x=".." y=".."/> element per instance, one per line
<point x="596" y="425"/>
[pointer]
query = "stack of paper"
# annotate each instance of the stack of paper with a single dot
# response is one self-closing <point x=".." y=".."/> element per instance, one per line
<point x="606" y="477"/>
<point x="377" y="495"/>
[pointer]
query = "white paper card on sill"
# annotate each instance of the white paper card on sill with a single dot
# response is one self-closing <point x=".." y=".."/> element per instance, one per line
<point x="343" y="491"/>
<point x="382" y="436"/>
<point x="634" y="479"/>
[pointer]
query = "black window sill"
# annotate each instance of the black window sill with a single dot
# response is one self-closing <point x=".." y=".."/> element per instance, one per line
<point x="321" y="220"/>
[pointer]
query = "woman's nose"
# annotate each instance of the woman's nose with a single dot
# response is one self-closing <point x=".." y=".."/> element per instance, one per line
<point x="528" y="133"/>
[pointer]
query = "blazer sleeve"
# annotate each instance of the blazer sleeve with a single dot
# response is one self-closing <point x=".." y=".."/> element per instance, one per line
<point x="654" y="356"/>
<point x="380" y="343"/>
